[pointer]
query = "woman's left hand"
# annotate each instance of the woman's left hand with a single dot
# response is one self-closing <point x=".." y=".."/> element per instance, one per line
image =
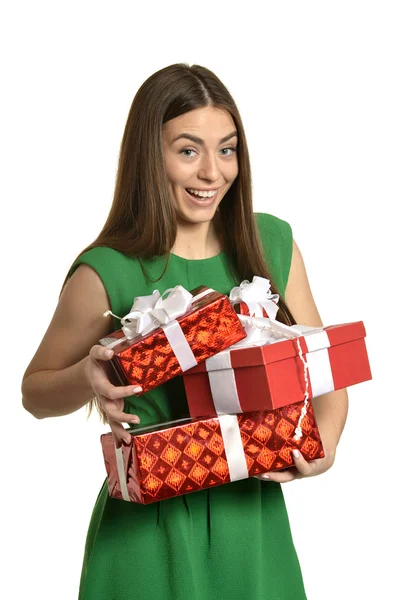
<point x="301" y="469"/>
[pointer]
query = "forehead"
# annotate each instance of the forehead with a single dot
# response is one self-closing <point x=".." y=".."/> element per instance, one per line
<point x="208" y="122"/>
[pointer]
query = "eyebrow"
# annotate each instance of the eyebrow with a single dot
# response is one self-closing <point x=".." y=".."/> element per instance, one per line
<point x="199" y="141"/>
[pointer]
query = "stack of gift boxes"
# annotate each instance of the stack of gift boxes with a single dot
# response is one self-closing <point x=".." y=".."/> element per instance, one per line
<point x="249" y="380"/>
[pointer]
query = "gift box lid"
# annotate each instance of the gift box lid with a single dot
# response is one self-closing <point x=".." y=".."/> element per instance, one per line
<point x="202" y="298"/>
<point x="283" y="349"/>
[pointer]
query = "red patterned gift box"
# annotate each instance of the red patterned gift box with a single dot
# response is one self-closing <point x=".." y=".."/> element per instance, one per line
<point x="162" y="338"/>
<point x="266" y="377"/>
<point x="186" y="456"/>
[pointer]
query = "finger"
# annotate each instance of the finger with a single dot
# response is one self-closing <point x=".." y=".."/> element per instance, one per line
<point x="103" y="386"/>
<point x="114" y="414"/>
<point x="120" y="434"/>
<point x="279" y="477"/>
<point x="99" y="352"/>
<point x="114" y="392"/>
<point x="301" y="464"/>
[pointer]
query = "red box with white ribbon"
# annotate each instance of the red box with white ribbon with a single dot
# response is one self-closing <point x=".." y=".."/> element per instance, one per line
<point x="162" y="337"/>
<point x="186" y="456"/>
<point x="270" y="376"/>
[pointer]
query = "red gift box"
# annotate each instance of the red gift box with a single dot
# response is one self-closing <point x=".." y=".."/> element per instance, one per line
<point x="148" y="360"/>
<point x="274" y="375"/>
<point x="162" y="462"/>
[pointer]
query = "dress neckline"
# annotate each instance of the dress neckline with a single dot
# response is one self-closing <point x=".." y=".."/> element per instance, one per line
<point x="197" y="260"/>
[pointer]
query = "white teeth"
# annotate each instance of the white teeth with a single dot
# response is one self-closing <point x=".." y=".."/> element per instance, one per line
<point x="202" y="194"/>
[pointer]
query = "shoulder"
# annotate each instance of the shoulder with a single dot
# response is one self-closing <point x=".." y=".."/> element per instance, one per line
<point x="270" y="225"/>
<point x="119" y="274"/>
<point x="101" y="258"/>
<point x="277" y="242"/>
<point x="298" y="295"/>
<point x="287" y="265"/>
<point x="112" y="266"/>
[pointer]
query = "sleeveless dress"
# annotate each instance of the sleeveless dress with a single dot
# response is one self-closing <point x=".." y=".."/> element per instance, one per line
<point x="231" y="542"/>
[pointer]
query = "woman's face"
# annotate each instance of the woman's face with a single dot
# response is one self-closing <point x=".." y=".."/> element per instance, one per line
<point x="200" y="155"/>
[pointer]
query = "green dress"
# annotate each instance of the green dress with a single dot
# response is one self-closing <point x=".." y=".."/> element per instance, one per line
<point x="231" y="542"/>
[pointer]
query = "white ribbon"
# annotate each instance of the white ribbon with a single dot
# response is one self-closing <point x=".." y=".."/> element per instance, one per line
<point x="318" y="362"/>
<point x="233" y="447"/>
<point x="317" y="367"/>
<point x="256" y="295"/>
<point x="274" y="331"/>
<point x="150" y="312"/>
<point x="120" y="465"/>
<point x="260" y="332"/>
<point x="180" y="346"/>
<point x="223" y="385"/>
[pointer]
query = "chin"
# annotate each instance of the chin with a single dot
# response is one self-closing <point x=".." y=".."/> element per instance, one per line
<point x="203" y="216"/>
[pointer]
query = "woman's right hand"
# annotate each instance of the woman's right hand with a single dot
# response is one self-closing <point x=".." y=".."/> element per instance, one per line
<point x="111" y="397"/>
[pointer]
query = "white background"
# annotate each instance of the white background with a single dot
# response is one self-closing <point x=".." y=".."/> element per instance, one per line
<point x="317" y="87"/>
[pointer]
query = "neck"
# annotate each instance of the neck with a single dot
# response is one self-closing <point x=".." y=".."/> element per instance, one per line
<point x="198" y="240"/>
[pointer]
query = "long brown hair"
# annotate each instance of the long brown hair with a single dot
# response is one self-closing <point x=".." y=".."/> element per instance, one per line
<point x="142" y="219"/>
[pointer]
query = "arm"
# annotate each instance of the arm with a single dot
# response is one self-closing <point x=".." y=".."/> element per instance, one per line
<point x="67" y="370"/>
<point x="56" y="381"/>
<point x="330" y="409"/>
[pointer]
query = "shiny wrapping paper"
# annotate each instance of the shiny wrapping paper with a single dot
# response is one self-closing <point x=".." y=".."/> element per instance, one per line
<point x="271" y="376"/>
<point x="183" y="457"/>
<point x="210" y="326"/>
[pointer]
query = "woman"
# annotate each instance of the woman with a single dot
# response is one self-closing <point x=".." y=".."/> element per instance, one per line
<point x="182" y="214"/>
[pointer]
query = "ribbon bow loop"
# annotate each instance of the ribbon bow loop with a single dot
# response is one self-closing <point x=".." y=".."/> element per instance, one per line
<point x="257" y="296"/>
<point x="149" y="312"/>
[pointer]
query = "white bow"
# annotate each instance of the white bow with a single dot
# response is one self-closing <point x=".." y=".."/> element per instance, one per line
<point x="256" y="295"/>
<point x="149" y="312"/>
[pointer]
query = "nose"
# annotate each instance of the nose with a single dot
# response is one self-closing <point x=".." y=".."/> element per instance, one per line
<point x="209" y="167"/>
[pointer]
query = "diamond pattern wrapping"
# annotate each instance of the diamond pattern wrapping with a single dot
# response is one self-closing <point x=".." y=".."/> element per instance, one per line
<point x="149" y="361"/>
<point x="163" y="462"/>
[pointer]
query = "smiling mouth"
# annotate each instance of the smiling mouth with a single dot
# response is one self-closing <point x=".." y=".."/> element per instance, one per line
<point x="198" y="197"/>
<point x="201" y="200"/>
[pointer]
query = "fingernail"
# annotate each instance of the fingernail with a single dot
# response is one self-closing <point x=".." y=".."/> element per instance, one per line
<point x="137" y="389"/>
<point x="265" y="476"/>
<point x="108" y="353"/>
<point x="296" y="453"/>
<point x="134" y="420"/>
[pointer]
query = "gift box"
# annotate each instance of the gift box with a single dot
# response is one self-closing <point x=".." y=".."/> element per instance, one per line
<point x="278" y="371"/>
<point x="186" y="456"/>
<point x="163" y="337"/>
